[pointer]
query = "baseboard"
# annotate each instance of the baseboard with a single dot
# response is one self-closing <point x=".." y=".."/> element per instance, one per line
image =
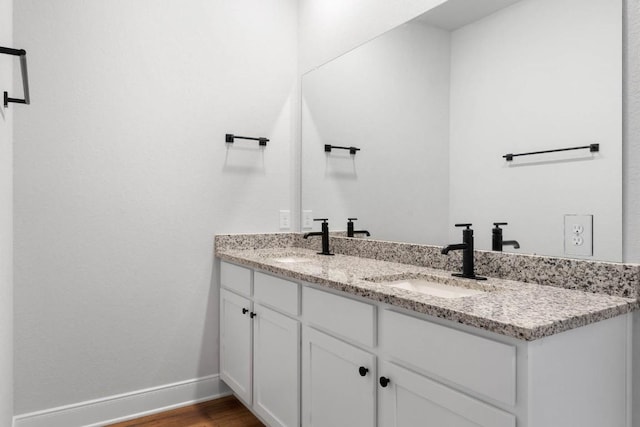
<point x="122" y="407"/>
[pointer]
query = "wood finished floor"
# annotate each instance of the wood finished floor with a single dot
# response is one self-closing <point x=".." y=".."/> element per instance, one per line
<point x="224" y="412"/>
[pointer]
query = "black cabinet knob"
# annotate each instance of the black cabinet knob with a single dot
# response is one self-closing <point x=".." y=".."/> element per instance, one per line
<point x="245" y="311"/>
<point x="384" y="381"/>
<point x="363" y="371"/>
<point x="252" y="314"/>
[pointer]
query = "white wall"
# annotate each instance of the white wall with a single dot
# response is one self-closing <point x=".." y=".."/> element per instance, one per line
<point x="537" y="75"/>
<point x="329" y="28"/>
<point x="631" y="170"/>
<point x="367" y="98"/>
<point x="6" y="239"/>
<point x="631" y="153"/>
<point x="122" y="178"/>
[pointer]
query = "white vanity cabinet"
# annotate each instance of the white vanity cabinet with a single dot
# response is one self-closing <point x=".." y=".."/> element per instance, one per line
<point x="235" y="343"/>
<point x="260" y="343"/>
<point x="472" y="363"/>
<point x="315" y="357"/>
<point x="276" y="367"/>
<point x="409" y="399"/>
<point x="462" y="376"/>
<point x="338" y="365"/>
<point x="235" y="329"/>
<point x="339" y="382"/>
<point x="467" y="361"/>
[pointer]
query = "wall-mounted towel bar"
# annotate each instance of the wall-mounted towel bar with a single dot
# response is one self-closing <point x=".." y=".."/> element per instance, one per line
<point x="328" y="148"/>
<point x="594" y="148"/>
<point x="230" y="137"/>
<point x="25" y="77"/>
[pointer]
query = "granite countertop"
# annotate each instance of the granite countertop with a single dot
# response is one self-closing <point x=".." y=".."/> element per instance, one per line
<point x="525" y="311"/>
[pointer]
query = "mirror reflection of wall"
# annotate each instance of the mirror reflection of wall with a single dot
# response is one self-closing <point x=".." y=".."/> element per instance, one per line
<point x="390" y="98"/>
<point x="436" y="102"/>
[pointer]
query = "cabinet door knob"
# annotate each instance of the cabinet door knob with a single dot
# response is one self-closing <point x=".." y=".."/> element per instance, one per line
<point x="363" y="371"/>
<point x="245" y="311"/>
<point x="252" y="314"/>
<point x="384" y="381"/>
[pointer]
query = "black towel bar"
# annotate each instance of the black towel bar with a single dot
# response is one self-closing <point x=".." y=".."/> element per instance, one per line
<point x="230" y="137"/>
<point x="328" y="148"/>
<point x="594" y="148"/>
<point x="22" y="54"/>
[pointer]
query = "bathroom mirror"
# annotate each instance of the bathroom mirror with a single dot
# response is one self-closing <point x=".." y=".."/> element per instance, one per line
<point x="435" y="104"/>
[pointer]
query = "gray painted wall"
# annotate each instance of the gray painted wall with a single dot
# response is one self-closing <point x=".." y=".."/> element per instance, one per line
<point x="6" y="240"/>
<point x="631" y="171"/>
<point x="122" y="178"/>
<point x="631" y="153"/>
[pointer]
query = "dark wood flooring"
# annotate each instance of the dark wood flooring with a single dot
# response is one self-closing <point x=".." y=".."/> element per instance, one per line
<point x="224" y="412"/>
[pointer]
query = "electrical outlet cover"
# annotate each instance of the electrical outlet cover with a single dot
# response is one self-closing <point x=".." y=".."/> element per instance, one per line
<point x="307" y="220"/>
<point x="578" y="235"/>
<point x="285" y="220"/>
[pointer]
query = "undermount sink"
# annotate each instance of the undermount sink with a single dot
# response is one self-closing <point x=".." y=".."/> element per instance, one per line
<point x="437" y="286"/>
<point x="423" y="286"/>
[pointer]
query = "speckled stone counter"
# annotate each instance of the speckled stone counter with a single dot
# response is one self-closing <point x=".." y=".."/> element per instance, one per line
<point x="610" y="278"/>
<point x="526" y="311"/>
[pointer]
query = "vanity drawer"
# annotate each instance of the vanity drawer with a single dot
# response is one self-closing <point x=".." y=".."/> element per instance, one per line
<point x="275" y="292"/>
<point x="235" y="278"/>
<point x="482" y="365"/>
<point x="344" y="317"/>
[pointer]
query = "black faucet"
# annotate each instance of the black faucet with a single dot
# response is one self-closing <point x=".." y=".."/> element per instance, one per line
<point x="325" y="236"/>
<point x="351" y="232"/>
<point x="497" y="243"/>
<point x="468" y="270"/>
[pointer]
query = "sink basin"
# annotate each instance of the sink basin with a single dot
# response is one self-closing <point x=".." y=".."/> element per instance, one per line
<point x="423" y="286"/>
<point x="435" y="285"/>
<point x="291" y="259"/>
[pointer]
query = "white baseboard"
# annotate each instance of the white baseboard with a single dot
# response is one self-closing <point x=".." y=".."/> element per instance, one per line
<point x="122" y="407"/>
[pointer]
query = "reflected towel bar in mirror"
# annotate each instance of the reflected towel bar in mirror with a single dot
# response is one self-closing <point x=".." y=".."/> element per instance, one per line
<point x="328" y="148"/>
<point x="25" y="78"/>
<point x="594" y="148"/>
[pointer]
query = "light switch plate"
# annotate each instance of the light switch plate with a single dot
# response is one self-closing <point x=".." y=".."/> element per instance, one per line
<point x="285" y="220"/>
<point x="578" y="235"/>
<point x="307" y="220"/>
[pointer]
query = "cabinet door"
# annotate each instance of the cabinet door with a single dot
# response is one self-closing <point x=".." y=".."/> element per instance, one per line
<point x="335" y="394"/>
<point x="410" y="400"/>
<point x="276" y="367"/>
<point x="235" y="343"/>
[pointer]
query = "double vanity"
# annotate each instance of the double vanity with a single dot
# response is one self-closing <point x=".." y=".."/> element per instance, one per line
<point x="426" y="114"/>
<point x="381" y="334"/>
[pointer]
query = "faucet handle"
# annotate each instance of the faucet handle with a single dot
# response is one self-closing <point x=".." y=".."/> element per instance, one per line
<point x="321" y="219"/>
<point x="352" y="219"/>
<point x="464" y="225"/>
<point x="498" y="224"/>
